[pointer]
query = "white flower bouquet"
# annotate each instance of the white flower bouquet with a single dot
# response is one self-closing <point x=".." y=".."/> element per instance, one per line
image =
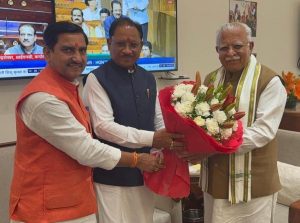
<point x="206" y="116"/>
<point x="212" y="109"/>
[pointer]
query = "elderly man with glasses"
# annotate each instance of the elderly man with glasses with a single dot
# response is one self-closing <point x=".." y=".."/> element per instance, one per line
<point x="242" y="187"/>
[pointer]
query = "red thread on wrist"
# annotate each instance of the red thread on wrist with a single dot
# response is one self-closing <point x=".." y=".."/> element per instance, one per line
<point x="134" y="160"/>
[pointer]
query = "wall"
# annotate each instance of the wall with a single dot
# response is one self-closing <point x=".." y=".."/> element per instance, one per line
<point x="277" y="42"/>
<point x="277" y="45"/>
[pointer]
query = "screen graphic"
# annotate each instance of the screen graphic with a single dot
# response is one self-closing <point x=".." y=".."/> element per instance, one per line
<point x="21" y="40"/>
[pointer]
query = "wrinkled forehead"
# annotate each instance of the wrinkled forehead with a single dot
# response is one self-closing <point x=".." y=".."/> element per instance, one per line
<point x="235" y="35"/>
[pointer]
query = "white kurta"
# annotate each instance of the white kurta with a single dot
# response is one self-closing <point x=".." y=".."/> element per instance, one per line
<point x="136" y="204"/>
<point x="258" y="210"/>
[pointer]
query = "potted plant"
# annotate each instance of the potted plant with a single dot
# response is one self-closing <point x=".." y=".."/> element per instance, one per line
<point x="292" y="86"/>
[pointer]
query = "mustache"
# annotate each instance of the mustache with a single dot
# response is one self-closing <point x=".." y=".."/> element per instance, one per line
<point x="232" y="58"/>
<point x="76" y="64"/>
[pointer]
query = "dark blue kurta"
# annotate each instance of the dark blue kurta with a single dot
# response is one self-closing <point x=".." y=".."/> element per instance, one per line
<point x="132" y="97"/>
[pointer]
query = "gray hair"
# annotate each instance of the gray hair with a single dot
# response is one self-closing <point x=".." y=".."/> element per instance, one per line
<point x="232" y="26"/>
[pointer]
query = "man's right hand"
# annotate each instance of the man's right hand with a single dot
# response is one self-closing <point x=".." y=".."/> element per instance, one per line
<point x="164" y="139"/>
<point x="149" y="162"/>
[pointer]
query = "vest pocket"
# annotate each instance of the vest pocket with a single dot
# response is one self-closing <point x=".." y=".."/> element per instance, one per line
<point x="63" y="190"/>
<point x="55" y="197"/>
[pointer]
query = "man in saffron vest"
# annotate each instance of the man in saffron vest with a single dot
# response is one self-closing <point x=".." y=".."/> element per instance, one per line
<point x="125" y="113"/>
<point x="243" y="187"/>
<point x="55" y="150"/>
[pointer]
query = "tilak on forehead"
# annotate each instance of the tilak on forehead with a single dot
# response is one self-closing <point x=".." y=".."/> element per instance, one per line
<point x="128" y="26"/>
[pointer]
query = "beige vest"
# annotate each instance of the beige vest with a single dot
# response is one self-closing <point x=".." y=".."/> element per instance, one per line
<point x="265" y="179"/>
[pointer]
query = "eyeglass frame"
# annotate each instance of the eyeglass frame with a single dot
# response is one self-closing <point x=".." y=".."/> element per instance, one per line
<point x="235" y="47"/>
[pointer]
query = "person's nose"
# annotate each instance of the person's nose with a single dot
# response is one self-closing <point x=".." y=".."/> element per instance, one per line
<point x="231" y="51"/>
<point x="127" y="49"/>
<point x="78" y="57"/>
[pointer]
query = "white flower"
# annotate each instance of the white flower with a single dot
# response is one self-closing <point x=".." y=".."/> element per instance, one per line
<point x="220" y="116"/>
<point x="212" y="126"/>
<point x="188" y="96"/>
<point x="202" y="109"/>
<point x="202" y="89"/>
<point x="184" y="108"/>
<point x="226" y="133"/>
<point x="214" y="101"/>
<point x="231" y="112"/>
<point x="180" y="90"/>
<point x="235" y="126"/>
<point x="199" y="121"/>
<point x="177" y="94"/>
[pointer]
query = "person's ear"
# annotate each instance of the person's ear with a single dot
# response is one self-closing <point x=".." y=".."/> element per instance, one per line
<point x="251" y="45"/>
<point x="46" y="52"/>
<point x="217" y="49"/>
<point x="108" y="41"/>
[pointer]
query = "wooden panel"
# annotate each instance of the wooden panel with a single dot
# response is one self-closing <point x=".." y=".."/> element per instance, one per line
<point x="26" y="16"/>
<point x="27" y="10"/>
<point x="291" y="119"/>
<point x="30" y="5"/>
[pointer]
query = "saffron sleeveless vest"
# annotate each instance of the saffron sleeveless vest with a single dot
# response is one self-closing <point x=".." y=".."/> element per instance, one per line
<point x="48" y="185"/>
<point x="132" y="98"/>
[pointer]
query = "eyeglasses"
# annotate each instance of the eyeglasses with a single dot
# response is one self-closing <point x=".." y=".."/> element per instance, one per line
<point x="122" y="45"/>
<point x="234" y="47"/>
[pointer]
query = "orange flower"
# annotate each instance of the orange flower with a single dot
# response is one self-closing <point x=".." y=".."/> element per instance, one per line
<point x="292" y="84"/>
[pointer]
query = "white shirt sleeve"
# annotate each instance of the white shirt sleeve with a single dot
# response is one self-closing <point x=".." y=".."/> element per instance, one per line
<point x="268" y="116"/>
<point x="99" y="106"/>
<point x="52" y="120"/>
<point x="158" y="118"/>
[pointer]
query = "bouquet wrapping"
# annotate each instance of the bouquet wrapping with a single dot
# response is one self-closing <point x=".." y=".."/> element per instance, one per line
<point x="196" y="138"/>
<point x="174" y="181"/>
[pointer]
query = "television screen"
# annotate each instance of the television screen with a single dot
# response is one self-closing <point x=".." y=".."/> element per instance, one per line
<point x="22" y="24"/>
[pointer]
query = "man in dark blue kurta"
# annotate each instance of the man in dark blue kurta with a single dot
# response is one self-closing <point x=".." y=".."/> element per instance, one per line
<point x="121" y="98"/>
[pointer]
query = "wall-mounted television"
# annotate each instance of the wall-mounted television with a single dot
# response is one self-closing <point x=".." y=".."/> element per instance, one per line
<point x="20" y="18"/>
